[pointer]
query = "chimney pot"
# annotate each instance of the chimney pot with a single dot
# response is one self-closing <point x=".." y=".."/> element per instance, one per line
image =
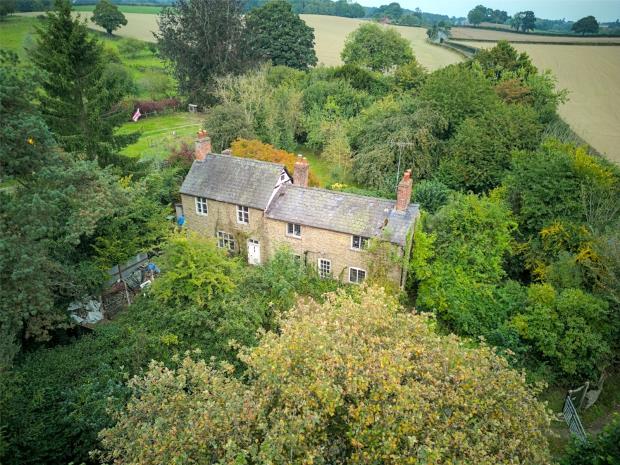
<point x="403" y="192"/>
<point x="202" y="145"/>
<point x="301" y="171"/>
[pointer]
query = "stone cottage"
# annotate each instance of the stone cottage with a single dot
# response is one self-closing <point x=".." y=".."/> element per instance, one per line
<point x="255" y="207"/>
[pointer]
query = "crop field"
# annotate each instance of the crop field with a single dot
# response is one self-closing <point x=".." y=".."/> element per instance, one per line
<point x="331" y="31"/>
<point x="592" y="76"/>
<point x="468" y="33"/>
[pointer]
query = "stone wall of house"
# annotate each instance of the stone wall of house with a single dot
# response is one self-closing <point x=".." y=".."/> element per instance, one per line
<point x="222" y="216"/>
<point x="315" y="244"/>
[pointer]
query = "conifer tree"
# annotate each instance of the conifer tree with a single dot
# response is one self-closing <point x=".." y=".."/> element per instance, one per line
<point x="80" y="93"/>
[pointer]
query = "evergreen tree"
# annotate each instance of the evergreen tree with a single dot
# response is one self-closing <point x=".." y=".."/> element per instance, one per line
<point x="108" y="16"/>
<point x="80" y="94"/>
<point x="278" y="34"/>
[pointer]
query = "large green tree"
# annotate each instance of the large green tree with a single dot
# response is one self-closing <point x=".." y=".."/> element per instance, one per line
<point x="107" y="15"/>
<point x="202" y="39"/>
<point x="587" y="25"/>
<point x="477" y="15"/>
<point x="80" y="94"/>
<point x="479" y="154"/>
<point x="353" y="380"/>
<point x="376" y="47"/>
<point x="279" y="35"/>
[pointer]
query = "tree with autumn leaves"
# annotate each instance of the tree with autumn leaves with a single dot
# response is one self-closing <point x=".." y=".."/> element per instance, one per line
<point x="352" y="380"/>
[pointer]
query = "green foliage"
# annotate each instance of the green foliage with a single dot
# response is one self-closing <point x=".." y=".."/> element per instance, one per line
<point x="376" y="48"/>
<point x="279" y="35"/>
<point x="46" y="255"/>
<point x="391" y="130"/>
<point x="226" y="123"/>
<point x="374" y="83"/>
<point x="351" y="380"/>
<point x="503" y="59"/>
<point x="587" y="25"/>
<point x="431" y="195"/>
<point x="568" y="328"/>
<point x="131" y="47"/>
<point x="409" y="76"/>
<point x="524" y="21"/>
<point x="25" y="140"/>
<point x="479" y="154"/>
<point x="80" y="98"/>
<point x="157" y="85"/>
<point x="202" y="39"/>
<point x="477" y="15"/>
<point x="56" y="400"/>
<point x="273" y="113"/>
<point x="558" y="183"/>
<point x="604" y="449"/>
<point x="107" y="15"/>
<point x="460" y="270"/>
<point x="7" y="7"/>
<point x="195" y="272"/>
<point x="458" y="92"/>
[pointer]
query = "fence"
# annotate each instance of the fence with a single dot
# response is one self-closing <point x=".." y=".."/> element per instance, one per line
<point x="572" y="419"/>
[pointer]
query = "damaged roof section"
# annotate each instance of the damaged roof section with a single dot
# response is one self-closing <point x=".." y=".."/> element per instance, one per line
<point x="240" y="181"/>
<point x="342" y="212"/>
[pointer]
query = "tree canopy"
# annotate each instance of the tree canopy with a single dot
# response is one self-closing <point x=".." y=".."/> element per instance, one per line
<point x="587" y="25"/>
<point x="279" y="35"/>
<point x="107" y="15"/>
<point x="81" y="92"/>
<point x="351" y="380"/>
<point x="376" y="48"/>
<point x="202" y="39"/>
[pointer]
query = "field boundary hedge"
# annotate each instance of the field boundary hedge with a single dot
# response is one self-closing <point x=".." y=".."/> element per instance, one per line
<point x="538" y="33"/>
<point x="539" y="42"/>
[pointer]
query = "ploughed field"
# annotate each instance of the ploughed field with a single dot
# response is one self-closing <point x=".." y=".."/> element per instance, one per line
<point x="592" y="76"/>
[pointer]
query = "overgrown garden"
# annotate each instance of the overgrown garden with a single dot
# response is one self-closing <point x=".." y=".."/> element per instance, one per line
<point x="514" y="279"/>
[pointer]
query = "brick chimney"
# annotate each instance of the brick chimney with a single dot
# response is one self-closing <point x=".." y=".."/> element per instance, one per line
<point x="300" y="172"/>
<point x="403" y="192"/>
<point x="202" y="145"/>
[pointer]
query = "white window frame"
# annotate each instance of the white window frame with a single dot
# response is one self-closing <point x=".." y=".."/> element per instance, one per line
<point x="357" y="272"/>
<point x="225" y="241"/>
<point x="243" y="214"/>
<point x="322" y="274"/>
<point x="294" y="226"/>
<point x="363" y="242"/>
<point x="202" y="206"/>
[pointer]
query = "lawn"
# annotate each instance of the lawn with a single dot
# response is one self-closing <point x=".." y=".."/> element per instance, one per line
<point x="160" y="134"/>
<point x="16" y="33"/>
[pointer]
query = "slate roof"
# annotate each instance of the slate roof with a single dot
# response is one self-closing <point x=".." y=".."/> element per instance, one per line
<point x="236" y="180"/>
<point x="342" y="212"/>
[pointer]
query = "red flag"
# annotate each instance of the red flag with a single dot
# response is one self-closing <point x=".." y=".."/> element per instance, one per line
<point x="136" y="115"/>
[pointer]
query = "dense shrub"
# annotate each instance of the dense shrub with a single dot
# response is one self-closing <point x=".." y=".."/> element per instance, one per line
<point x="430" y="194"/>
<point x="156" y="106"/>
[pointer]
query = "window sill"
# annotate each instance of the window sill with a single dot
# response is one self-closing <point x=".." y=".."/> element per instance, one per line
<point x="292" y="236"/>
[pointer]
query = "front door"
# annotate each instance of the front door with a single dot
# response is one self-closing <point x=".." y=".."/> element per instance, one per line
<point x="253" y="252"/>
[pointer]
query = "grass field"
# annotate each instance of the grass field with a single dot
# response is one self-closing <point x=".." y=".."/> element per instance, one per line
<point x="124" y="8"/>
<point x="592" y="76"/>
<point x="468" y="33"/>
<point x="17" y="34"/>
<point x="160" y="134"/>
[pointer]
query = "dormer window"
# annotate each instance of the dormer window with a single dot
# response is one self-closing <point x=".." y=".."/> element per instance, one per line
<point x="243" y="214"/>
<point x="293" y="229"/>
<point x="359" y="242"/>
<point x="201" y="206"/>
